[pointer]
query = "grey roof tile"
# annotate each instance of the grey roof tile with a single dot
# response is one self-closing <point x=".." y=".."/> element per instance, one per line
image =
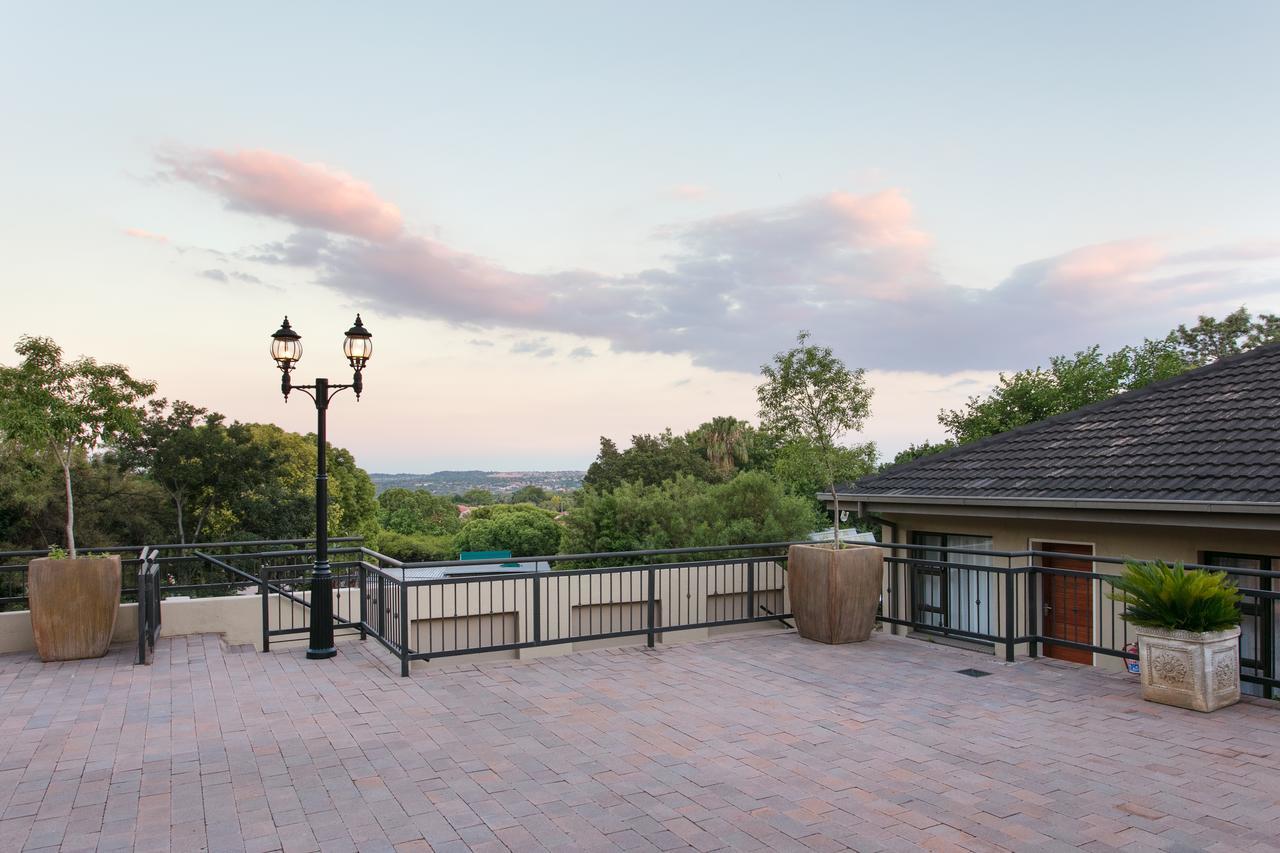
<point x="1212" y="434"/>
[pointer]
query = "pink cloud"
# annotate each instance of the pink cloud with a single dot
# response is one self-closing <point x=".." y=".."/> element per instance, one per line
<point x="311" y="195"/>
<point x="142" y="234"/>
<point x="1106" y="263"/>
<point x="690" y="192"/>
<point x="855" y="269"/>
<point x="883" y="220"/>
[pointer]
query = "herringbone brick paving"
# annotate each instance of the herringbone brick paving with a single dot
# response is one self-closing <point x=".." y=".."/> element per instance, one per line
<point x="747" y="743"/>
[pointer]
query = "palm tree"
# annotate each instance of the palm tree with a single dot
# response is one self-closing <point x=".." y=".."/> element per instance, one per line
<point x="726" y="442"/>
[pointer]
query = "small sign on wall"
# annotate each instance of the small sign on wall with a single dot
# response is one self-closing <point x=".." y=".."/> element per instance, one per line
<point x="1131" y="664"/>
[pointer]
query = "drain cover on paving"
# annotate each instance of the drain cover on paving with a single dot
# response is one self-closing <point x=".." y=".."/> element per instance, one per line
<point x="972" y="673"/>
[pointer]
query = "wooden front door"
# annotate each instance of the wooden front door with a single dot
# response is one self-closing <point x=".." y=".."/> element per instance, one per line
<point x="1067" y="602"/>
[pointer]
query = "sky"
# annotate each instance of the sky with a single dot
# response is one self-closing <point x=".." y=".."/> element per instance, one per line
<point x="564" y="220"/>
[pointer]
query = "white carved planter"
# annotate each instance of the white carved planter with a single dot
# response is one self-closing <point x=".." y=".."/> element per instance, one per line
<point x="1200" y="672"/>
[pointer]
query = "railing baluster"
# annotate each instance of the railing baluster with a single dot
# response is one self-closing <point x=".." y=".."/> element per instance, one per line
<point x="1010" y="617"/>
<point x="652" y="602"/>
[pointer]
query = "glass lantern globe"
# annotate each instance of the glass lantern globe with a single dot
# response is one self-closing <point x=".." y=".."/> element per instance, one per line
<point x="358" y="347"/>
<point x="286" y="346"/>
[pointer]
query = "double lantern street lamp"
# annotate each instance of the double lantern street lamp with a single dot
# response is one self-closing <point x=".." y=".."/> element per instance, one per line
<point x="286" y="349"/>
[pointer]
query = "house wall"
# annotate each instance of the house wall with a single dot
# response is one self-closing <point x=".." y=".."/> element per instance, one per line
<point x="1108" y="537"/>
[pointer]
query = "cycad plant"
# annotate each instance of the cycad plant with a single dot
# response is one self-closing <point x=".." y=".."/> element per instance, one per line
<point x="1158" y="595"/>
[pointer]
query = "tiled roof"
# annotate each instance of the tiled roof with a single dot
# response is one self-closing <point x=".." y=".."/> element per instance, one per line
<point x="1212" y="434"/>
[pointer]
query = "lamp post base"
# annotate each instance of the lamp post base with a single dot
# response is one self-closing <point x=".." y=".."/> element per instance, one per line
<point x="321" y="654"/>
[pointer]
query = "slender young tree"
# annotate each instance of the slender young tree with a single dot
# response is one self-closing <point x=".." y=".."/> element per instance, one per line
<point x="66" y="408"/>
<point x="809" y="395"/>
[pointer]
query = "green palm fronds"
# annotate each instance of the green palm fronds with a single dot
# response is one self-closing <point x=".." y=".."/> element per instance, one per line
<point x="1158" y="595"/>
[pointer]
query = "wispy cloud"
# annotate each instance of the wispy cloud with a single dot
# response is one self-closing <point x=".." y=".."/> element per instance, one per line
<point x="310" y="195"/>
<point x="857" y="270"/>
<point x="143" y="234"/>
<point x="227" y="276"/>
<point x="536" y="347"/>
<point x="689" y="192"/>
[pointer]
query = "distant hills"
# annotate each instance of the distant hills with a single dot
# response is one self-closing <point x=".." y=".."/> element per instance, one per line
<point x="498" y="482"/>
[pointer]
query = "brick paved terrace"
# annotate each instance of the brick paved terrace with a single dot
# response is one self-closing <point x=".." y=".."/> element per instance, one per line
<point x="752" y="742"/>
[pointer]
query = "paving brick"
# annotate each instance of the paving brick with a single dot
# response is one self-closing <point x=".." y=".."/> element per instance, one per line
<point x="760" y="742"/>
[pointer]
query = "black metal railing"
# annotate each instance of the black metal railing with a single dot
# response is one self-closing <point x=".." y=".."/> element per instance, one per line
<point x="419" y="612"/>
<point x="148" y="595"/>
<point x="181" y="572"/>
<point x="1013" y="601"/>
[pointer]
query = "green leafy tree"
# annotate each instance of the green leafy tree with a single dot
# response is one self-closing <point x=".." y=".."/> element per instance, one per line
<point x="650" y="459"/>
<point x="29" y="482"/>
<point x="1089" y="376"/>
<point x="687" y="513"/>
<point x="282" y="503"/>
<point x="523" y="529"/>
<point x="725" y="442"/>
<point x="477" y="497"/>
<point x="918" y="451"/>
<point x="1210" y="339"/>
<point x="530" y="494"/>
<point x="117" y="507"/>
<point x="67" y="408"/>
<point x="419" y="512"/>
<point x="804" y="470"/>
<point x="199" y="461"/>
<point x="413" y="546"/>
<point x="810" y="396"/>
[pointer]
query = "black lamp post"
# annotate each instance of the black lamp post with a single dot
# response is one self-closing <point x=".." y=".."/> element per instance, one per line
<point x="286" y="349"/>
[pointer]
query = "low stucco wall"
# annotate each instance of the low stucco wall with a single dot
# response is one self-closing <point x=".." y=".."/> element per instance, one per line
<point x="443" y="617"/>
<point x="238" y="618"/>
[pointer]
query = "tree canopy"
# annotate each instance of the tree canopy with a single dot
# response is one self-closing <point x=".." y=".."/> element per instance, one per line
<point x="686" y="512"/>
<point x="523" y="529"/>
<point x="811" y="400"/>
<point x="67" y="408"/>
<point x="414" y="511"/>
<point x="1089" y="376"/>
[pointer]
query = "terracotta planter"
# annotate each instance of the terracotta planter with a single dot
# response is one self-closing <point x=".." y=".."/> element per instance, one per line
<point x="1186" y="669"/>
<point x="73" y="606"/>
<point x="834" y="593"/>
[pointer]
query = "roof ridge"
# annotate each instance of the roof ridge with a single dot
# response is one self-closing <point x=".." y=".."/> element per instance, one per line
<point x="1121" y="399"/>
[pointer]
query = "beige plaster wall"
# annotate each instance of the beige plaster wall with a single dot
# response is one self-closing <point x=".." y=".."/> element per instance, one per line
<point x="1110" y="539"/>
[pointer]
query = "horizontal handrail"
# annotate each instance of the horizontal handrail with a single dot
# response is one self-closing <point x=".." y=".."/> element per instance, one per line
<point x="112" y="549"/>
<point x="600" y="555"/>
<point x="230" y="568"/>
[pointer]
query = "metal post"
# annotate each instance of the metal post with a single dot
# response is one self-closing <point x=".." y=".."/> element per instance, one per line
<point x="1010" y="616"/>
<point x="1033" y="647"/>
<point x="363" y="580"/>
<point x="321" y="634"/>
<point x="537" y="611"/>
<point x="266" y="612"/>
<point x="143" y="609"/>
<point x="652" y="606"/>
<point x="751" y="590"/>
<point x="404" y="630"/>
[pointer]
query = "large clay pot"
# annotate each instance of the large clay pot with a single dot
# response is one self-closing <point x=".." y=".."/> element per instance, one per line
<point x="835" y="593"/>
<point x="1189" y="669"/>
<point x="73" y="606"/>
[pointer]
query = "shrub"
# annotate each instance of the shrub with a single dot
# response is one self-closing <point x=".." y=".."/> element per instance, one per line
<point x="1157" y="595"/>
<point x="522" y="529"/>
<point x="413" y="547"/>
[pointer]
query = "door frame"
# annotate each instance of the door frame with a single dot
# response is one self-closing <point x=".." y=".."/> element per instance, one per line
<point x="1033" y="544"/>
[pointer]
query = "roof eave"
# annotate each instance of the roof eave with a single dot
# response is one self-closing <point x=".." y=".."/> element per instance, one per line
<point x="1113" y="504"/>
